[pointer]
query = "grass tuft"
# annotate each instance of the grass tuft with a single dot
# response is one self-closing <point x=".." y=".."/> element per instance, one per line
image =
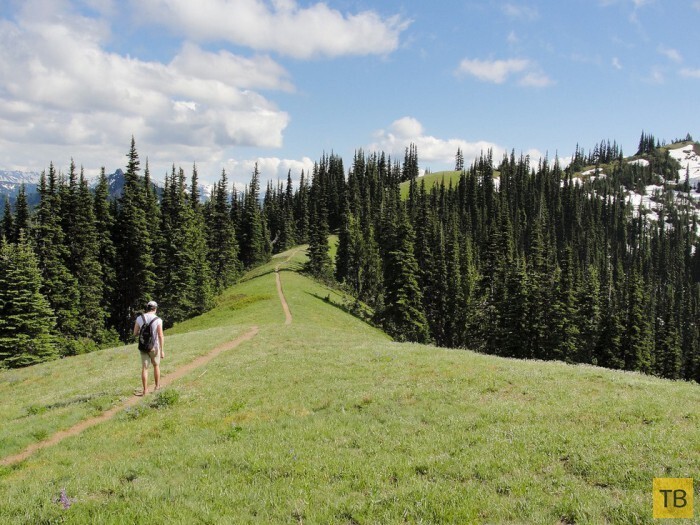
<point x="165" y="398"/>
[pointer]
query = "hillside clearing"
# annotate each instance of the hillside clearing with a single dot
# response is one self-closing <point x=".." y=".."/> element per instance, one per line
<point x="327" y="421"/>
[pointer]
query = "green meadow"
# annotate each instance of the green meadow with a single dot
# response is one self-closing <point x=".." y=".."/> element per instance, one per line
<point x="329" y="421"/>
<point x="435" y="179"/>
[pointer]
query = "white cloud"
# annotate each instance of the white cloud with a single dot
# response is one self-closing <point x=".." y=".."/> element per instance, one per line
<point x="696" y="5"/>
<point x="690" y="72"/>
<point x="260" y="72"/>
<point x="431" y="150"/>
<point x="535" y="79"/>
<point x="498" y="71"/>
<point x="407" y="127"/>
<point x="271" y="168"/>
<point x="656" y="76"/>
<point x="672" y="54"/>
<point x="283" y="27"/>
<point x="521" y="12"/>
<point x="60" y="89"/>
<point x="616" y="63"/>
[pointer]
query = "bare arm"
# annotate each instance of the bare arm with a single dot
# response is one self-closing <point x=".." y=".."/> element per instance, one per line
<point x="161" y="340"/>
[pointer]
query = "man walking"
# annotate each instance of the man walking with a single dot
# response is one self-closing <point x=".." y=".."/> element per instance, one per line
<point x="148" y="320"/>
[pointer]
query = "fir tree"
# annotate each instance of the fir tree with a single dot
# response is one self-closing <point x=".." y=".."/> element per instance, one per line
<point x="319" y="263"/>
<point x="184" y="271"/>
<point x="106" y="252"/>
<point x="459" y="160"/>
<point x="253" y="239"/>
<point x="26" y="319"/>
<point x="22" y="222"/>
<point x="301" y="211"/>
<point x="223" y="245"/>
<point x="58" y="285"/>
<point x="402" y="317"/>
<point x="7" y="229"/>
<point x="134" y="234"/>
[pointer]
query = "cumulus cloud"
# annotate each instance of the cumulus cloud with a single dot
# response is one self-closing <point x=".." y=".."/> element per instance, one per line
<point x="670" y="53"/>
<point x="281" y="26"/>
<point x="260" y="72"/>
<point x="498" y="71"/>
<point x="431" y="150"/>
<point x="60" y="87"/>
<point x="271" y="168"/>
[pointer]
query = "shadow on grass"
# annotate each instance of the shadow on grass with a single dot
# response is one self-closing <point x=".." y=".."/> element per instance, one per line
<point x="254" y="274"/>
<point x="356" y="309"/>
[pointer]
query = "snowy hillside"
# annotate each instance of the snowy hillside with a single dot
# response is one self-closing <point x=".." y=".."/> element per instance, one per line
<point x="690" y="163"/>
<point x="12" y="181"/>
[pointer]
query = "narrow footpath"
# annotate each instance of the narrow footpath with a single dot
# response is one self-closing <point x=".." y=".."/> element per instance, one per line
<point x="165" y="381"/>
<point x="280" y="293"/>
<point x="285" y="306"/>
<point x="109" y="414"/>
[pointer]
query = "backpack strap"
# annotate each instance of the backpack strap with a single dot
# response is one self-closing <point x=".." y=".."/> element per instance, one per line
<point x="148" y="325"/>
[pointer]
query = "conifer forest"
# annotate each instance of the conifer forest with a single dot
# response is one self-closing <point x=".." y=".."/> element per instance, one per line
<point x="516" y="259"/>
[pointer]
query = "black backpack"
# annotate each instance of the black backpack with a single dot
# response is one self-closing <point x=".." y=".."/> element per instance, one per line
<point x="146" y="339"/>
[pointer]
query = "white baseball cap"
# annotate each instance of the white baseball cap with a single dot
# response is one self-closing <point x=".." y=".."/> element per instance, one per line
<point x="152" y="304"/>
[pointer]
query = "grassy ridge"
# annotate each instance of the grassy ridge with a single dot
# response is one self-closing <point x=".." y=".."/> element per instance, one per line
<point x="328" y="421"/>
<point x="434" y="179"/>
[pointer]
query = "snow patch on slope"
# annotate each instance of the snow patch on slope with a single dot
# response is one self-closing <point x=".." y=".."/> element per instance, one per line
<point x="689" y="161"/>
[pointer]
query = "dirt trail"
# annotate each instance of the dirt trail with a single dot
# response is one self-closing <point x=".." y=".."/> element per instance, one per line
<point x="285" y="306"/>
<point x="109" y="414"/>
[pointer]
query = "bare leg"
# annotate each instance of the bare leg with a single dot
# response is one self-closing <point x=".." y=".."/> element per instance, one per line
<point x="156" y="375"/>
<point x="144" y="379"/>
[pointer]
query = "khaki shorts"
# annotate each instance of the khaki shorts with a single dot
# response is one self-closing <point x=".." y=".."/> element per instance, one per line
<point x="150" y="357"/>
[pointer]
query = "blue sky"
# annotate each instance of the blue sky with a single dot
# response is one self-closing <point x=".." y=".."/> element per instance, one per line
<point x="227" y="83"/>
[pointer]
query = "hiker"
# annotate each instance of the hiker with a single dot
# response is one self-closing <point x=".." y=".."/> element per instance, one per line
<point x="152" y="341"/>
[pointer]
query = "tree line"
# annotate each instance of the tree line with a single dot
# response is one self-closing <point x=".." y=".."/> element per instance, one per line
<point x="543" y="266"/>
<point x="75" y="271"/>
<point x="515" y="259"/>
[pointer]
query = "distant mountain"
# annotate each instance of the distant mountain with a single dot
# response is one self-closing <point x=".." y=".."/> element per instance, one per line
<point x="11" y="182"/>
<point x="115" y="183"/>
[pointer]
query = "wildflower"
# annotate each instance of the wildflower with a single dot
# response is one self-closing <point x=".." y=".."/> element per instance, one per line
<point x="64" y="499"/>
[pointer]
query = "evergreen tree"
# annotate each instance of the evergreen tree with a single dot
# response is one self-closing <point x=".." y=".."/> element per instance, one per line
<point x="254" y="241"/>
<point x="637" y="341"/>
<point x="26" y="319"/>
<point x="7" y="228"/>
<point x="319" y="263"/>
<point x="85" y="254"/>
<point x="58" y="285"/>
<point x="223" y="245"/>
<point x="402" y="317"/>
<point x="184" y="271"/>
<point x="588" y="317"/>
<point x="134" y="234"/>
<point x="22" y="222"/>
<point x="301" y="211"/>
<point x="459" y="160"/>
<point x="106" y="252"/>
